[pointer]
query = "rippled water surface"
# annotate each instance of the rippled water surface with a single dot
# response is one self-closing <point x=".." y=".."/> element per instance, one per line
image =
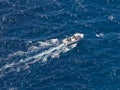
<point x="33" y="57"/>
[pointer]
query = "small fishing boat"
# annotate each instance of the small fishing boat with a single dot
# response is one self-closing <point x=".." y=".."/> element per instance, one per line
<point x="73" y="39"/>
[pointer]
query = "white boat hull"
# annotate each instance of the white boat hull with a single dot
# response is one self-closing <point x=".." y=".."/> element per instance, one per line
<point x="73" y="39"/>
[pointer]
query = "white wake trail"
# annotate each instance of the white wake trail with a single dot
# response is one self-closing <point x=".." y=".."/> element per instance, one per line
<point x="24" y="63"/>
<point x="38" y="56"/>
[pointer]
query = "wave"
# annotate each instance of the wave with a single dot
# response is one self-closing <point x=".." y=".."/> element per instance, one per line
<point x="38" y="52"/>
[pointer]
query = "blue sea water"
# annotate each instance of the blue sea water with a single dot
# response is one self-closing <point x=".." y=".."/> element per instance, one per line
<point x="29" y="28"/>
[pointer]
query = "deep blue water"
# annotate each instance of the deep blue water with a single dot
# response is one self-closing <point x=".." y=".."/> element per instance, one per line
<point x="27" y="28"/>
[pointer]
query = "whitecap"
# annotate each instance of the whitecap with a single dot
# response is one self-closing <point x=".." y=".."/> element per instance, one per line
<point x="111" y="17"/>
<point x="100" y="35"/>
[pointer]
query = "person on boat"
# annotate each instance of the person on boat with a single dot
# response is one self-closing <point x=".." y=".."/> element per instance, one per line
<point x="75" y="37"/>
<point x="69" y="39"/>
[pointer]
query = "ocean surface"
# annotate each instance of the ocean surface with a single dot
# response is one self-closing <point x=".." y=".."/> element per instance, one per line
<point x="33" y="57"/>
